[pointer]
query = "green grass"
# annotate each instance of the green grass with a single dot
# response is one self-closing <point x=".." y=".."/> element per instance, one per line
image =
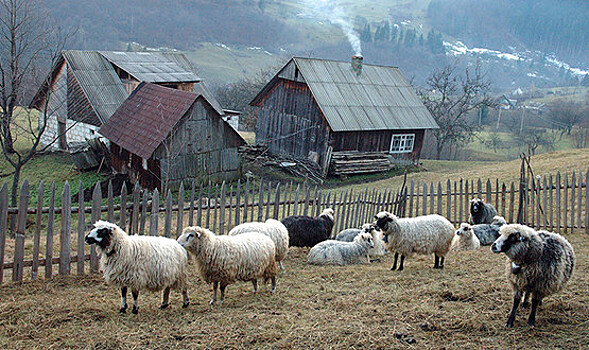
<point x="564" y="93"/>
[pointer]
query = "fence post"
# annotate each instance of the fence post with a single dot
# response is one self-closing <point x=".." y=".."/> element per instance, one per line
<point x="558" y="208"/>
<point x="3" y="226"/>
<point x="488" y="198"/>
<point x="439" y="207"/>
<point x="348" y="209"/>
<point x="268" y="201"/>
<point x="191" y="209"/>
<point x="566" y="202"/>
<point x="424" y="206"/>
<point x="448" y="200"/>
<point x="66" y="222"/>
<point x="49" y="238"/>
<point x="579" y="203"/>
<point x="134" y="227"/>
<point x="199" y="210"/>
<point x="155" y="210"/>
<point x="37" y="237"/>
<point x="82" y="228"/>
<point x="208" y="221"/>
<point x="96" y="203"/>
<point x="261" y="202"/>
<point x="229" y="206"/>
<point x="550" y="197"/>
<point x="238" y="203"/>
<point x="586" y="202"/>
<point x="19" y="244"/>
<point x="461" y="210"/>
<point x="431" y="198"/>
<point x="168" y="215"/>
<point x="245" y="199"/>
<point x="222" y="209"/>
<point x="306" y="207"/>
<point x="180" y="217"/>
<point x="295" y="205"/>
<point x="110" y="202"/>
<point x="215" y="209"/>
<point x="544" y="203"/>
<point x="123" y="216"/>
<point x="143" y="212"/>
<point x="276" y="202"/>
<point x="503" y="198"/>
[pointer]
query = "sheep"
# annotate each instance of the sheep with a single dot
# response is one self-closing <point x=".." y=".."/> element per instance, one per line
<point x="539" y="263"/>
<point x="271" y="228"/>
<point x="379" y="249"/>
<point x="488" y="233"/>
<point x="332" y="252"/>
<point x="423" y="235"/>
<point x="481" y="212"/>
<point x="140" y="262"/>
<point x="305" y="231"/>
<point x="222" y="260"/>
<point x="465" y="239"/>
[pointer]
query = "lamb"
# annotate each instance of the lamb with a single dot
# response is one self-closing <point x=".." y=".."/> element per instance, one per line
<point x="332" y="252"/>
<point x="222" y="260"/>
<point x="539" y="263"/>
<point x="271" y="228"/>
<point x="423" y="235"/>
<point x="378" y="250"/>
<point x="465" y="239"/>
<point x="306" y="231"/>
<point x="140" y="262"/>
<point x="488" y="233"/>
<point x="481" y="212"/>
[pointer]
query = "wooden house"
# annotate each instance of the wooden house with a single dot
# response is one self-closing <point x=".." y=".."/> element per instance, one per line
<point x="86" y="87"/>
<point x="331" y="110"/>
<point x="160" y="136"/>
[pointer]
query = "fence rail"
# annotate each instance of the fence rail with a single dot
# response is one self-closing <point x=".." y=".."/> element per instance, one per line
<point x="56" y="234"/>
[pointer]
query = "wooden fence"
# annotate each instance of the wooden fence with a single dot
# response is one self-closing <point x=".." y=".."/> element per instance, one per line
<point x="47" y="236"/>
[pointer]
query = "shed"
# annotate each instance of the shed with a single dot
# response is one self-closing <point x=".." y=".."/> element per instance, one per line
<point x="162" y="136"/>
<point x="86" y="87"/>
<point x="327" y="109"/>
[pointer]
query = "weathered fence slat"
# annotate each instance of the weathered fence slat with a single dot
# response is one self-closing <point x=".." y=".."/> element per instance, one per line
<point x="439" y="200"/>
<point x="245" y="199"/>
<point x="66" y="223"/>
<point x="123" y="214"/>
<point x="168" y="215"/>
<point x="143" y="219"/>
<point x="49" y="238"/>
<point x="4" y="226"/>
<point x="222" y="209"/>
<point x="82" y="227"/>
<point x="155" y="209"/>
<point x="96" y="202"/>
<point x="230" y="205"/>
<point x="579" y="200"/>
<point x="424" y="206"/>
<point x="461" y="219"/>
<point x="448" y="200"/>
<point x="37" y="234"/>
<point x="276" y="202"/>
<point x="573" y="192"/>
<point x="199" y="209"/>
<point x="544" y="203"/>
<point x="216" y="209"/>
<point x="511" y="202"/>
<point x="261" y="202"/>
<point x="307" y="195"/>
<point x="180" y="217"/>
<point x="550" y="197"/>
<point x="252" y="207"/>
<point x="134" y="226"/>
<point x="586" y="202"/>
<point x="269" y="196"/>
<point x="209" y="195"/>
<point x="295" y="207"/>
<point x="558" y="208"/>
<point x="238" y="204"/>
<point x="191" y="209"/>
<point x="566" y="202"/>
<point x="503" y="198"/>
<point x="431" y="199"/>
<point x="19" y="244"/>
<point x="110" y="203"/>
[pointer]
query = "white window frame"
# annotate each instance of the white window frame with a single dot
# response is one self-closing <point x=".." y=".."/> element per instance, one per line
<point x="406" y="143"/>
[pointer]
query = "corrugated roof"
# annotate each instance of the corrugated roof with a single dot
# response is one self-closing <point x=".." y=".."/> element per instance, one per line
<point x="379" y="99"/>
<point x="98" y="80"/>
<point x="154" y="67"/>
<point x="147" y="117"/>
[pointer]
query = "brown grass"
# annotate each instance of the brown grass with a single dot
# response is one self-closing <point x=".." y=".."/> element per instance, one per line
<point x="464" y="306"/>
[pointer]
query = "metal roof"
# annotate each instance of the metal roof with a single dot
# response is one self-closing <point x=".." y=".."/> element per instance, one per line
<point x="154" y="67"/>
<point x="380" y="98"/>
<point x="98" y="80"/>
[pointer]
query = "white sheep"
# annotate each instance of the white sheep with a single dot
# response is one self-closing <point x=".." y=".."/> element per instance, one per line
<point x="332" y="252"/>
<point x="539" y="263"/>
<point x="378" y="250"/>
<point x="271" y="228"/>
<point x="423" y="235"/>
<point x="465" y="239"/>
<point x="140" y="262"/>
<point x="222" y="260"/>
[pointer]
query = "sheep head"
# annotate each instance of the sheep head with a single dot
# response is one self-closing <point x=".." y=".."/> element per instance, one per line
<point x="328" y="212"/>
<point x="514" y="241"/>
<point x="386" y="221"/>
<point x="102" y="234"/>
<point x="464" y="230"/>
<point x="191" y="237"/>
<point x="476" y="205"/>
<point x="498" y="220"/>
<point x="365" y="239"/>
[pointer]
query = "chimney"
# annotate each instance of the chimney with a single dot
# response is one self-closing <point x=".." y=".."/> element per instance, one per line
<point x="357" y="64"/>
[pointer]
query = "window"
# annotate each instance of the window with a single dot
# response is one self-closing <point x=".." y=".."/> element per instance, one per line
<point x="402" y="143"/>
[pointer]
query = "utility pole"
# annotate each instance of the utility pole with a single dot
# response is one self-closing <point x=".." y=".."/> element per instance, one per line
<point x="499" y="118"/>
<point x="521" y="126"/>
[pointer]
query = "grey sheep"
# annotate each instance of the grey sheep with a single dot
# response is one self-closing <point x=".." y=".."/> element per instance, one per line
<point x="378" y="250"/>
<point x="481" y="212"/>
<point x="333" y="252"/>
<point x="539" y="263"/>
<point x="488" y="233"/>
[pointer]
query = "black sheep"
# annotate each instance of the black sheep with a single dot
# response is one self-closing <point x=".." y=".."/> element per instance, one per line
<point x="481" y="212"/>
<point x="306" y="231"/>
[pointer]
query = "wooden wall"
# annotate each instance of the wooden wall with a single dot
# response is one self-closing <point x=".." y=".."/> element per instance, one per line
<point x="375" y="141"/>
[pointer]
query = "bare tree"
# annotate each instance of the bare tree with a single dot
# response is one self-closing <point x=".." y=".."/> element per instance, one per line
<point x="29" y="42"/>
<point x="450" y="98"/>
<point x="566" y="114"/>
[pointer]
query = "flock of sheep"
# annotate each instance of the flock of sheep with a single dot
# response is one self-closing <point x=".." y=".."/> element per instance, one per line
<point x="539" y="262"/>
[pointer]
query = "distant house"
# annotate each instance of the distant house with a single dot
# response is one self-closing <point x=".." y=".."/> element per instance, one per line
<point x="86" y="87"/>
<point x="322" y="109"/>
<point x="162" y="136"/>
<point x="506" y="103"/>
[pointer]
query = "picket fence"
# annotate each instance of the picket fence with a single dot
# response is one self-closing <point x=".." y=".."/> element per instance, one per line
<point x="558" y="203"/>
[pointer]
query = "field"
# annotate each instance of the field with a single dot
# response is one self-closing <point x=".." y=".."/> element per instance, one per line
<point x="463" y="306"/>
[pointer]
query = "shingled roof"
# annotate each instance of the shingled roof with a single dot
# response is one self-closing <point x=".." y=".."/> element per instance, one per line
<point x="380" y="98"/>
<point x="147" y="117"/>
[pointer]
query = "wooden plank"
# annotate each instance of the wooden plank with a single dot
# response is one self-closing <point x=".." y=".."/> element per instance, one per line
<point x="479" y="188"/>
<point x="82" y="227"/>
<point x="253" y="199"/>
<point x="558" y="207"/>
<point x="199" y="209"/>
<point x="488" y="190"/>
<point x="417" y="198"/>
<point x="461" y="207"/>
<point x="261" y="201"/>
<point x="318" y="202"/>
<point x="342" y="210"/>
<point x="123" y="216"/>
<point x="238" y="204"/>
<point x="215" y="208"/>
<point x="168" y="215"/>
<point x="455" y="194"/>
<point x="439" y="200"/>
<point x="424" y="206"/>
<point x="222" y="209"/>
<point x="276" y="202"/>
<point x="551" y="200"/>
<point x="497" y="194"/>
<point x="448" y="200"/>
<point x="431" y="198"/>
<point x="295" y="206"/>
<point x="143" y="219"/>
<point x="573" y="192"/>
<point x="180" y="214"/>
<point x="306" y="206"/>
<point x="37" y="234"/>
<point x="95" y="215"/>
<point x="566" y="202"/>
<point x="134" y="227"/>
<point x="313" y="208"/>
<point x="467" y="198"/>
<point x="209" y="195"/>
<point x="579" y="200"/>
<point x="287" y="213"/>
<point x="43" y="262"/>
<point x="191" y="208"/>
<point x="544" y="203"/>
<point x="586" y="202"/>
<point x="66" y="223"/>
<point x="49" y="238"/>
<point x="348" y="208"/>
<point x="19" y="244"/>
<point x="269" y="196"/>
<point x="503" y="198"/>
<point x="155" y="210"/>
<point x="532" y="199"/>
<point x="229" y="206"/>
<point x="511" y="202"/>
<point x="246" y="198"/>
<point x="110" y="216"/>
<point x="3" y="226"/>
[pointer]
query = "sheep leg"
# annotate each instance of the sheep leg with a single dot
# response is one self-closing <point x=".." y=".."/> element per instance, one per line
<point x="532" y="318"/>
<point x="517" y="297"/>
<point x="280" y="264"/>
<point x="215" y="287"/>
<point x="436" y="262"/>
<point x="165" y="298"/>
<point x="186" y="299"/>
<point x="135" y="309"/>
<point x="442" y="262"/>
<point x="394" y="267"/>
<point x="123" y="309"/>
<point x="223" y="286"/>
<point x="401" y="264"/>
<point x="525" y="304"/>
<point x="255" y="283"/>
<point x="273" y="284"/>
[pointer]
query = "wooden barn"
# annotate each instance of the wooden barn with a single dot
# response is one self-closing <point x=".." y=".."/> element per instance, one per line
<point x="160" y="136"/>
<point x="354" y="117"/>
<point x="86" y="87"/>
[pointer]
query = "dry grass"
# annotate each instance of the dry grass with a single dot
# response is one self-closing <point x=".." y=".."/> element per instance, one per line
<point x="464" y="306"/>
